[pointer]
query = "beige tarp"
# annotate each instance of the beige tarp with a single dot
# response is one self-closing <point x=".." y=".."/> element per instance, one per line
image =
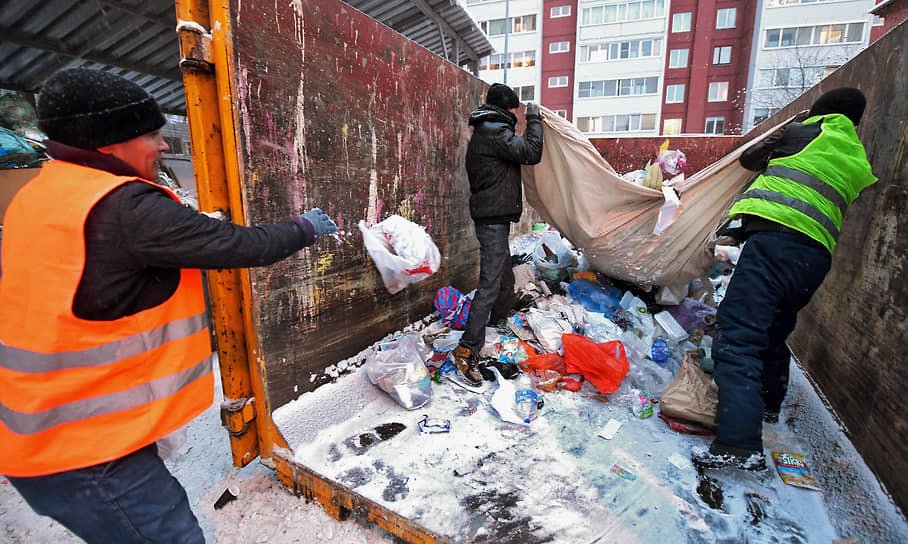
<point x="611" y="220"/>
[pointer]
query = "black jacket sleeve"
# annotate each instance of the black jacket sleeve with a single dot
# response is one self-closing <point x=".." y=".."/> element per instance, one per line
<point x="526" y="150"/>
<point x="160" y="232"/>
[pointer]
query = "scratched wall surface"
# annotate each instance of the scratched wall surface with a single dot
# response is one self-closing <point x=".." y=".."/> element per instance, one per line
<point x="337" y="111"/>
<point x="853" y="336"/>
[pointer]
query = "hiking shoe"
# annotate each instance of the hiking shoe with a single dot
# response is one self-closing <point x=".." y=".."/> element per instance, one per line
<point x="721" y="456"/>
<point x="467" y="365"/>
<point x="770" y="417"/>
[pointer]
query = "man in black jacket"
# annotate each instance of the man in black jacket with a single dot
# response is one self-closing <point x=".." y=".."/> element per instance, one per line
<point x="137" y="238"/>
<point x="494" y="156"/>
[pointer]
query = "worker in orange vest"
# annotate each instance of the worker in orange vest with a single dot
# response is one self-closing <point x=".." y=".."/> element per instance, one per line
<point x="104" y="341"/>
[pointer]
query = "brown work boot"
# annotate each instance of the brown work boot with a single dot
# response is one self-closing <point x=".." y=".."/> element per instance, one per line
<point x="467" y="365"/>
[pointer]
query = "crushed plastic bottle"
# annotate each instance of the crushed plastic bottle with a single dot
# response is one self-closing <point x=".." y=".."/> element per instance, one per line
<point x="525" y="405"/>
<point x="659" y="351"/>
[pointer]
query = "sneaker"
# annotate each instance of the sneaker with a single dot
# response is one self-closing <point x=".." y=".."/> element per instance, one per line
<point x="466" y="364"/>
<point x="721" y="456"/>
<point x="770" y="417"/>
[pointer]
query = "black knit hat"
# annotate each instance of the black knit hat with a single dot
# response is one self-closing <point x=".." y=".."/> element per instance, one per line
<point x="848" y="101"/>
<point x="90" y="109"/>
<point x="502" y="96"/>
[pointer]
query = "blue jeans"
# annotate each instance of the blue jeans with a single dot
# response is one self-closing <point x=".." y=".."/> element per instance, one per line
<point x="495" y="293"/>
<point x="133" y="499"/>
<point x="776" y="276"/>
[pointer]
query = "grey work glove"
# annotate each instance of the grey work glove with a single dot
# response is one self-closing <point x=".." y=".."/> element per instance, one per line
<point x="321" y="223"/>
<point x="532" y="109"/>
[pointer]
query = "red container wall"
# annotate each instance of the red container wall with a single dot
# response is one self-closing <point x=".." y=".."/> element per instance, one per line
<point x="626" y="154"/>
<point x="337" y="111"/>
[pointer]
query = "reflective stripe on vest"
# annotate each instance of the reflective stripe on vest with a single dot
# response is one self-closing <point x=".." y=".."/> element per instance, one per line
<point x="25" y="423"/>
<point x="818" y="185"/>
<point x="23" y="360"/>
<point x="796" y="204"/>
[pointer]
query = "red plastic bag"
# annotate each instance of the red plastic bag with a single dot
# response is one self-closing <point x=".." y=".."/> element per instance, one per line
<point x="544" y="361"/>
<point x="604" y="365"/>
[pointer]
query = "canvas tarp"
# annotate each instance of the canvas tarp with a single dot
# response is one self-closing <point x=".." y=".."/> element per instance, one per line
<point x="611" y="220"/>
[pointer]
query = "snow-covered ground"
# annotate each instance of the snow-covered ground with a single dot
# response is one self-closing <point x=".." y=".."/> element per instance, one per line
<point x="553" y="478"/>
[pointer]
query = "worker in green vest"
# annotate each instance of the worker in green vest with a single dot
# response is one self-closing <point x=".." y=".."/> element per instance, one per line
<point x="811" y="172"/>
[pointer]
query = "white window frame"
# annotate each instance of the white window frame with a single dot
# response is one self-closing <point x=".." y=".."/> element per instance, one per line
<point x="511" y="24"/>
<point x="679" y="19"/>
<point x="673" y="58"/>
<point x="723" y="16"/>
<point x="672" y="91"/>
<point x="562" y="47"/>
<point x="671" y="126"/>
<point x="713" y="121"/>
<point x="718" y="91"/>
<point x="562" y="113"/>
<point x="519" y="90"/>
<point x="816" y="31"/>
<point x="718" y="56"/>
<point x="559" y="11"/>
<point x="559" y="81"/>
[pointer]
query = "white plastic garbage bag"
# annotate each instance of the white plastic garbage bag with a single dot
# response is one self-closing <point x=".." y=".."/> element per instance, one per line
<point x="403" y="251"/>
<point x="401" y="373"/>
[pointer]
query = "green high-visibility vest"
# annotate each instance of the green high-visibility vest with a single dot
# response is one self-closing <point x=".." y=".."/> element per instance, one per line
<point x="811" y="190"/>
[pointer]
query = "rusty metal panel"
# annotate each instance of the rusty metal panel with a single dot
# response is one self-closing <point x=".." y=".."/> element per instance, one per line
<point x="627" y="154"/>
<point x="853" y="336"/>
<point x="337" y="111"/>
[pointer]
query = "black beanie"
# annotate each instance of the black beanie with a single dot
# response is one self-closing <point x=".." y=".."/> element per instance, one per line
<point x="502" y="96"/>
<point x="89" y="109"/>
<point x="848" y="101"/>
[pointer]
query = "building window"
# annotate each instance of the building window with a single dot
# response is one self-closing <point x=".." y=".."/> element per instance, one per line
<point x="617" y="123"/>
<point x="560" y="11"/>
<point x="814" y="35"/>
<point x="674" y="94"/>
<point x="623" y="10"/>
<point x="498" y="27"/>
<point x="681" y="22"/>
<point x="718" y="91"/>
<point x="518" y="59"/>
<point x="715" y="125"/>
<point x="619" y="87"/>
<point x="725" y="18"/>
<point x="526" y="93"/>
<point x="559" y="47"/>
<point x="677" y="58"/>
<point x="671" y="126"/>
<point x="762" y="114"/>
<point x="722" y="54"/>
<point x="562" y="113"/>
<point x="802" y="76"/>
<point x="558" y="81"/>
<point x="601" y="52"/>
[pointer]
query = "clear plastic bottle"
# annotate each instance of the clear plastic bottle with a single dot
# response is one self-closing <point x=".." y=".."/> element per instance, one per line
<point x="525" y="405"/>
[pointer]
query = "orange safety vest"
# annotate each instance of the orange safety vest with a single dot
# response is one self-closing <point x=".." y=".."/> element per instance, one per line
<point x="75" y="393"/>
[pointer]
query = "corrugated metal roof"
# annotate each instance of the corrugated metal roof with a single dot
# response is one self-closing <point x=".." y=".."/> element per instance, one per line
<point x="137" y="39"/>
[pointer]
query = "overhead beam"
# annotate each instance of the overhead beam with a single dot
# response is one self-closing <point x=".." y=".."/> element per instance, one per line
<point x="432" y="14"/>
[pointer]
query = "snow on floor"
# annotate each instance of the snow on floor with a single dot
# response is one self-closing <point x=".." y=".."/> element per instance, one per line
<point x="557" y="481"/>
<point x="491" y="481"/>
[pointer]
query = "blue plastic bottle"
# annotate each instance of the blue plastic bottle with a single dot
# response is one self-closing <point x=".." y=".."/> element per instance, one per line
<point x="659" y="351"/>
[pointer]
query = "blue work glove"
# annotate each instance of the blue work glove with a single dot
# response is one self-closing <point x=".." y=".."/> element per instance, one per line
<point x="321" y="223"/>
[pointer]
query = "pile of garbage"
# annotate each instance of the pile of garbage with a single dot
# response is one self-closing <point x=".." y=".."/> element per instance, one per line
<point x="572" y="330"/>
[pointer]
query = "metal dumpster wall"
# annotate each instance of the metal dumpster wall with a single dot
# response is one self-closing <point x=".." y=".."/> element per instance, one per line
<point x="627" y="154"/>
<point x="853" y="336"/>
<point x="337" y="111"/>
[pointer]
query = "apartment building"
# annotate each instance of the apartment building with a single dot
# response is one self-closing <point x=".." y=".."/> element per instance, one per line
<point x="648" y="67"/>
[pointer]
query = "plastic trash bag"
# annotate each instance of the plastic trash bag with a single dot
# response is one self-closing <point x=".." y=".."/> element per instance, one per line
<point x="672" y="161"/>
<point x="453" y="306"/>
<point x="402" y="251"/>
<point x="401" y="373"/>
<point x="603" y="365"/>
